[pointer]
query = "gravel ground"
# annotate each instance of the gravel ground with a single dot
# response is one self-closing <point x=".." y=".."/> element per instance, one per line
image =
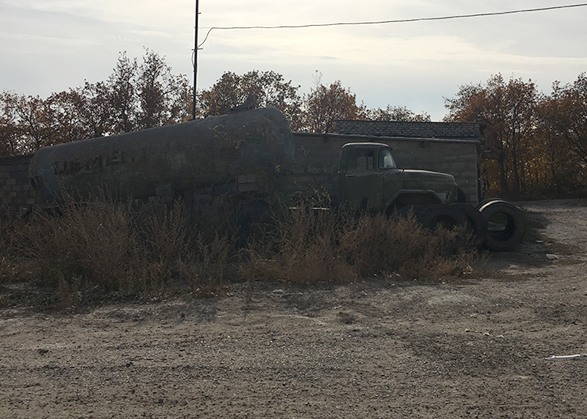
<point x="472" y="347"/>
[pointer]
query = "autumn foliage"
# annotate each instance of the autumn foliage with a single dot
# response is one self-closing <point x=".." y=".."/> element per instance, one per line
<point x="135" y="96"/>
<point x="536" y="143"/>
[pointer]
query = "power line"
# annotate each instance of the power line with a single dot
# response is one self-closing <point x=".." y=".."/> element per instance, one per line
<point x="383" y="22"/>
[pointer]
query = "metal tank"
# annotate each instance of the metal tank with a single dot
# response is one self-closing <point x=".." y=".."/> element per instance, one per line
<point x="239" y="152"/>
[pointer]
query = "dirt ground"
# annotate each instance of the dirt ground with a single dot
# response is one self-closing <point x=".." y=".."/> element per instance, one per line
<point x="472" y="347"/>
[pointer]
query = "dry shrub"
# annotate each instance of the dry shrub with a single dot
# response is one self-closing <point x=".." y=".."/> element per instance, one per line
<point x="95" y="243"/>
<point x="164" y="238"/>
<point x="213" y="216"/>
<point x="68" y="293"/>
<point x="108" y="249"/>
<point x="303" y="249"/>
<point x="380" y="245"/>
<point x="14" y="267"/>
<point x="8" y="265"/>
<point x="92" y="251"/>
<point x="166" y="233"/>
<point x="206" y="271"/>
<point x="193" y="247"/>
<point x="325" y="246"/>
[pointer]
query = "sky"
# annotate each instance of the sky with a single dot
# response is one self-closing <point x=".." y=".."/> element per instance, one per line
<point x="49" y="46"/>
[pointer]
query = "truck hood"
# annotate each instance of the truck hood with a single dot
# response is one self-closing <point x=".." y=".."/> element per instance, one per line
<point x="423" y="179"/>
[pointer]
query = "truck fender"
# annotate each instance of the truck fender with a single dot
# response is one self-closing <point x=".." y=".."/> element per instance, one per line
<point x="412" y="198"/>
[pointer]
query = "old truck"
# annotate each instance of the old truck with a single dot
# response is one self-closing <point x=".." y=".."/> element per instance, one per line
<point x="369" y="180"/>
<point x="246" y="157"/>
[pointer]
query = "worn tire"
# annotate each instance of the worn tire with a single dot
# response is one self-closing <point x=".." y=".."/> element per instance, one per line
<point x="442" y="215"/>
<point x="506" y="225"/>
<point x="486" y="201"/>
<point x="476" y="223"/>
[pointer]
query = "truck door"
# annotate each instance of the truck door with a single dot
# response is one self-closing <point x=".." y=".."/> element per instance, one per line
<point x="392" y="176"/>
<point x="361" y="184"/>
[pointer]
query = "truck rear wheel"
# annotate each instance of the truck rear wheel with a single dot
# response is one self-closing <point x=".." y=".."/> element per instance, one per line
<point x="476" y="223"/>
<point x="505" y="225"/>
<point x="442" y="215"/>
<point x="411" y="210"/>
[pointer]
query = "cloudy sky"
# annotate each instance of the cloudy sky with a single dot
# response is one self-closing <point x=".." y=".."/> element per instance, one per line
<point x="50" y="45"/>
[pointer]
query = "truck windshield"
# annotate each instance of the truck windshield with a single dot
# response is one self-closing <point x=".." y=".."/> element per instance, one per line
<point x="386" y="160"/>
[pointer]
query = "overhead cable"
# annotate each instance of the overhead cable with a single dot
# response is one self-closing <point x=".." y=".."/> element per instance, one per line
<point x="383" y="22"/>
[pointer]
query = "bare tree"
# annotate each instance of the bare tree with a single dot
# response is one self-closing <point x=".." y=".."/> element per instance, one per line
<point x="254" y="89"/>
<point x="162" y="96"/>
<point x="325" y="104"/>
<point x="396" y="113"/>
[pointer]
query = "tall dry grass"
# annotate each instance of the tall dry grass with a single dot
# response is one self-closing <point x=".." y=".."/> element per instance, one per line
<point x="102" y="250"/>
<point x="303" y="248"/>
<point x="380" y="245"/>
<point x="84" y="254"/>
<point x="312" y="246"/>
<point x="9" y="267"/>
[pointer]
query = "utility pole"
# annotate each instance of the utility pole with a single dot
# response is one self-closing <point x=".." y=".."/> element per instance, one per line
<point x="195" y="60"/>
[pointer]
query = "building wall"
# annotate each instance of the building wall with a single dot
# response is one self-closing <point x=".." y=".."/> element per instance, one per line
<point x="15" y="191"/>
<point x="317" y="155"/>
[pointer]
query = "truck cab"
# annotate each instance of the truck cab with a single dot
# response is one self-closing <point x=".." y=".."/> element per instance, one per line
<point x="369" y="180"/>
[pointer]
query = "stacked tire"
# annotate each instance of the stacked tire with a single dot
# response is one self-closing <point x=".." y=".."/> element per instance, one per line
<point x="506" y="225"/>
<point x="495" y="224"/>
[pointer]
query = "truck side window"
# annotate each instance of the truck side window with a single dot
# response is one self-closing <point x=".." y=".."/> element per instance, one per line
<point x="362" y="161"/>
<point x="386" y="160"/>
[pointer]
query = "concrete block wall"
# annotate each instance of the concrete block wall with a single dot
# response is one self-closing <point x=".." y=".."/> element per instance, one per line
<point x="317" y="157"/>
<point x="15" y="191"/>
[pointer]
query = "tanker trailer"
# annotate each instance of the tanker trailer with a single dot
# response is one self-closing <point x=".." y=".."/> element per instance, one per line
<point x="239" y="153"/>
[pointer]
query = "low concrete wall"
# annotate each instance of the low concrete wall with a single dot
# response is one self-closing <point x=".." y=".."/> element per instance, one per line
<point x="15" y="191"/>
<point x="317" y="158"/>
